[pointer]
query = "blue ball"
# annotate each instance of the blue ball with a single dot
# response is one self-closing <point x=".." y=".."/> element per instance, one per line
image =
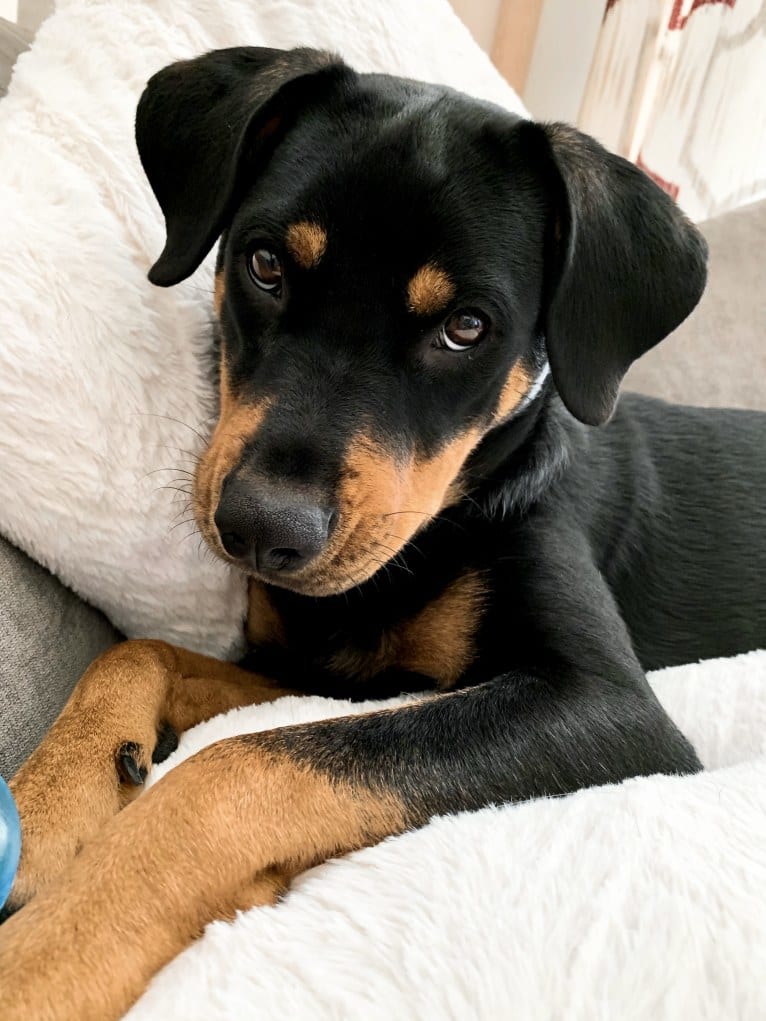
<point x="10" y="841"/>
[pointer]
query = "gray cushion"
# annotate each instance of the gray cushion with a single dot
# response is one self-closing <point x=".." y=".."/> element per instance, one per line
<point x="717" y="358"/>
<point x="48" y="636"/>
<point x="13" y="41"/>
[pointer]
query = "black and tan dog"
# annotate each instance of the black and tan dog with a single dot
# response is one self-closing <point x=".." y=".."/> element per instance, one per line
<point x="423" y="303"/>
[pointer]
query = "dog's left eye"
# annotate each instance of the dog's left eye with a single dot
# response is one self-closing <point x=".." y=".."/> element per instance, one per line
<point x="266" y="270"/>
<point x="463" y="330"/>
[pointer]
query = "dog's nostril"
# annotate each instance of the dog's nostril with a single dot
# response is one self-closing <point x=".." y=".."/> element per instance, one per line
<point x="234" y="544"/>
<point x="281" y="558"/>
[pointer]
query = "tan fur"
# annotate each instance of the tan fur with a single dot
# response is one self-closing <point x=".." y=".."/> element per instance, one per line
<point x="440" y="641"/>
<point x="437" y="642"/>
<point x="264" y="624"/>
<point x="237" y="423"/>
<point x="224" y="830"/>
<point x="306" y="242"/>
<point x="429" y="291"/>
<point x="383" y="503"/>
<point x="219" y="292"/>
<point x="69" y="787"/>
<point x="514" y="391"/>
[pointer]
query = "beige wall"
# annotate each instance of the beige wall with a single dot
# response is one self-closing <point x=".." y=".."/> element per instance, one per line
<point x="544" y="48"/>
<point x="481" y="18"/>
<point x="561" y="59"/>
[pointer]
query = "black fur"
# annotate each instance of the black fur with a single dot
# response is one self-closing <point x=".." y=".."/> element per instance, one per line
<point x="604" y="552"/>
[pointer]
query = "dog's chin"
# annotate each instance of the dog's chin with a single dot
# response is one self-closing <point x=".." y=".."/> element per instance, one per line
<point x="327" y="581"/>
<point x="306" y="586"/>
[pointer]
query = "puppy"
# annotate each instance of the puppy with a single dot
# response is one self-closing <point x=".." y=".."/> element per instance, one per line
<point x="423" y="305"/>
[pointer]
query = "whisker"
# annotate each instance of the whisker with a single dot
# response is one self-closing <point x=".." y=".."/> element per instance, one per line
<point x="176" y="489"/>
<point x="477" y="505"/>
<point x="393" y="514"/>
<point x="182" y="510"/>
<point x="408" y="543"/>
<point x="169" y="418"/>
<point x="186" y="521"/>
<point x="174" y="469"/>
<point x="192" y="455"/>
<point x="394" y="559"/>
<point x="194" y="531"/>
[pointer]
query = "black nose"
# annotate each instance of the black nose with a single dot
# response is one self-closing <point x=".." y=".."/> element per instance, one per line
<point x="270" y="530"/>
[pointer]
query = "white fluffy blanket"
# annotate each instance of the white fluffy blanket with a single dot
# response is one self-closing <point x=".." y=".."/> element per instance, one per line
<point x="643" y="902"/>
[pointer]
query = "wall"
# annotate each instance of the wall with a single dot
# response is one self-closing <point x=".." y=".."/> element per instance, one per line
<point x="481" y="18"/>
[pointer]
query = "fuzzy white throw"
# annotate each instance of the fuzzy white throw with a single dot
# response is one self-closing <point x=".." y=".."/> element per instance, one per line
<point x="642" y="902"/>
<point x="645" y="901"/>
<point x="104" y="382"/>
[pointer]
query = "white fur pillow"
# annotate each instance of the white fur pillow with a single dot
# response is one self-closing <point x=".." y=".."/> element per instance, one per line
<point x="103" y="384"/>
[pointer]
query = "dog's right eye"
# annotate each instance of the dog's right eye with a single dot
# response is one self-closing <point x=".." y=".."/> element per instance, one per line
<point x="462" y="331"/>
<point x="266" y="270"/>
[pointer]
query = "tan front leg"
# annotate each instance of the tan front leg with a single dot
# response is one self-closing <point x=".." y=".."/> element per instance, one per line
<point x="223" y="831"/>
<point x="94" y="758"/>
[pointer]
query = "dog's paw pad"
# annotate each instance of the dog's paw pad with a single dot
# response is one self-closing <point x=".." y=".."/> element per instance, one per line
<point x="129" y="767"/>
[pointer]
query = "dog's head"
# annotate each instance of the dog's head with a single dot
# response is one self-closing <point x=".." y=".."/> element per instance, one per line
<point x="398" y="265"/>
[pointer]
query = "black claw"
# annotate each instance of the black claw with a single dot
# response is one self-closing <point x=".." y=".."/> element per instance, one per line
<point x="127" y="764"/>
<point x="7" y="910"/>
<point x="167" y="742"/>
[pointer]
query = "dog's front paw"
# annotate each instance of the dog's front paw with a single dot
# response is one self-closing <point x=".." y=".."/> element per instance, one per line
<point x="64" y="797"/>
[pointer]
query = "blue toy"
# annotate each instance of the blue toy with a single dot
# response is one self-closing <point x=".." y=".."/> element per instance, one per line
<point x="10" y="841"/>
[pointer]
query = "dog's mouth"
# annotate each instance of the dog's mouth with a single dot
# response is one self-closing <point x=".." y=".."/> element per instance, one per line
<point x="353" y="556"/>
<point x="381" y="502"/>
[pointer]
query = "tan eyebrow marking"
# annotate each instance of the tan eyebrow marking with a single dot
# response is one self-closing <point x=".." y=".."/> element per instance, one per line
<point x="429" y="291"/>
<point x="306" y="242"/>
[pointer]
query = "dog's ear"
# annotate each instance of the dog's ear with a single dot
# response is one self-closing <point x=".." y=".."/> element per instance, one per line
<point x="203" y="127"/>
<point x="624" y="267"/>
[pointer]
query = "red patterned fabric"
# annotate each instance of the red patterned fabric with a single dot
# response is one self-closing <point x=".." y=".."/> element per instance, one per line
<point x="678" y="20"/>
<point x="679" y="86"/>
<point x="668" y="186"/>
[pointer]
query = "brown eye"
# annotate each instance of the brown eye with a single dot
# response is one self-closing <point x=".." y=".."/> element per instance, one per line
<point x="266" y="270"/>
<point x="463" y="330"/>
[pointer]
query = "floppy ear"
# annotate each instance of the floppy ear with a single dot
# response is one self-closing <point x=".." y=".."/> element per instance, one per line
<point x="203" y="125"/>
<point x="624" y="267"/>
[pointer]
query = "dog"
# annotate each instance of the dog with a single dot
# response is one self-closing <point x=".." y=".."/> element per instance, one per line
<point x="423" y="305"/>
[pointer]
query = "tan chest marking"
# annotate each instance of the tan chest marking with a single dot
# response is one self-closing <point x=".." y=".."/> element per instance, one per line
<point x="264" y="624"/>
<point x="439" y="641"/>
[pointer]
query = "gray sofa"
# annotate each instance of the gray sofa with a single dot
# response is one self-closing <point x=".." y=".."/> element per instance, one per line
<point x="718" y="357"/>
